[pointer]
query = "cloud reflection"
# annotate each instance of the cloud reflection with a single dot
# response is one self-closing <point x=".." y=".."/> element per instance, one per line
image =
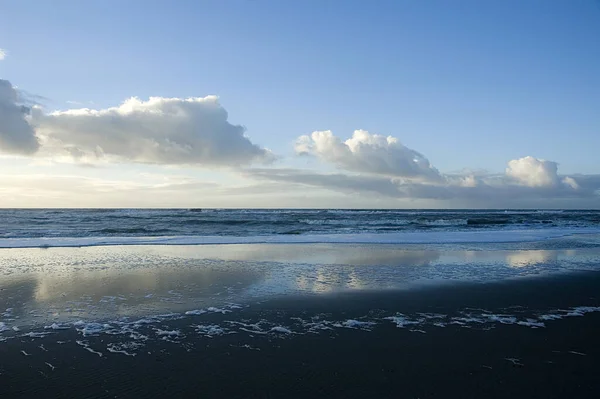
<point x="96" y="282"/>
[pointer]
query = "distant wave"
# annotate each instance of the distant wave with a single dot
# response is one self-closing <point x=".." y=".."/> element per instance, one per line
<point x="46" y="223"/>
<point x="483" y="221"/>
<point x="293" y="237"/>
<point x="132" y="230"/>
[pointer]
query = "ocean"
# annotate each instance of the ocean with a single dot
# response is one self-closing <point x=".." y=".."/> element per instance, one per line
<point x="88" y="227"/>
<point x="307" y="303"/>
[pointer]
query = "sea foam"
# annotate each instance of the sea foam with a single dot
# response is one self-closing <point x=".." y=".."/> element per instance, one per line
<point x="414" y="237"/>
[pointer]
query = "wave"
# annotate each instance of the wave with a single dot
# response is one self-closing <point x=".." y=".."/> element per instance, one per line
<point x="484" y="221"/>
<point x="420" y="237"/>
<point x="132" y="230"/>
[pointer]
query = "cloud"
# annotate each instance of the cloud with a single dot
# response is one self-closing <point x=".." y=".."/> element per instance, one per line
<point x="192" y="131"/>
<point x="533" y="172"/>
<point x="133" y="190"/>
<point x="381" y="166"/>
<point x="332" y="181"/>
<point x="491" y="189"/>
<point x="16" y="134"/>
<point x="2" y="54"/>
<point x="368" y="153"/>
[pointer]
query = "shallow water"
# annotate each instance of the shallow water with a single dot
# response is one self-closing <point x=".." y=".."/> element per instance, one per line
<point x="57" y="285"/>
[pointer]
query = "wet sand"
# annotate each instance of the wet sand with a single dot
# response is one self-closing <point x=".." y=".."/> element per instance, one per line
<point x="493" y="357"/>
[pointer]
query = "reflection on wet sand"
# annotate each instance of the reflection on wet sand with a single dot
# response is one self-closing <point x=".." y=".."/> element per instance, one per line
<point x="114" y="292"/>
<point x="539" y="257"/>
<point x="67" y="283"/>
<point x="357" y="255"/>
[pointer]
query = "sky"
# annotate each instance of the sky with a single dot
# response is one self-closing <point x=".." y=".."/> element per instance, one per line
<point x="342" y="104"/>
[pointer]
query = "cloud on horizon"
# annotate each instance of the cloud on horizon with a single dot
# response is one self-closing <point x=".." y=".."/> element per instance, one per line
<point x="494" y="189"/>
<point x="2" y="54"/>
<point x="196" y="132"/>
<point x="370" y="163"/>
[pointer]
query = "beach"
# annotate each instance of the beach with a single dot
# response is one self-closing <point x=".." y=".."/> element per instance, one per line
<point x="299" y="321"/>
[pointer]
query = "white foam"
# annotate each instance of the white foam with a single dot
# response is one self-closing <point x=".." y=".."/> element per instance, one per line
<point x="531" y="323"/>
<point x="123" y="347"/>
<point x="218" y="310"/>
<point x="169" y="333"/>
<point x="501" y="318"/>
<point x="417" y="237"/>
<point x="315" y="326"/>
<point x="246" y="346"/>
<point x="86" y="346"/>
<point x="514" y="361"/>
<point x="582" y="310"/>
<point x="280" y="329"/>
<point x="3" y="327"/>
<point x="91" y="328"/>
<point x="196" y="312"/>
<point x="402" y="321"/>
<point x="33" y="334"/>
<point x="467" y="320"/>
<point x="547" y="317"/>
<point x="356" y="324"/>
<point x="55" y="326"/>
<point x="210" y="330"/>
<point x="253" y="328"/>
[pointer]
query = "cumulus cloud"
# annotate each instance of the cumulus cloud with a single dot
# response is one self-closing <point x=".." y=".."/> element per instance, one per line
<point x="16" y="134"/>
<point x="533" y="172"/>
<point x="382" y="166"/>
<point x="368" y="153"/>
<point x="2" y="54"/>
<point x="193" y="131"/>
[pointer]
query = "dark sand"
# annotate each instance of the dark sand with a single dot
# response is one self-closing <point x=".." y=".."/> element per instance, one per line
<point x="558" y="361"/>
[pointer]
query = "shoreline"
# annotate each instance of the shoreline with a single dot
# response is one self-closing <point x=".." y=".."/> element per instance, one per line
<point x="418" y="237"/>
<point x="494" y="358"/>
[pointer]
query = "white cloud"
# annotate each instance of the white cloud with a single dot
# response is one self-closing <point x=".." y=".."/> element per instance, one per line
<point x="382" y="166"/>
<point x="569" y="181"/>
<point x="16" y="135"/>
<point x="196" y="131"/>
<point x="193" y="131"/>
<point x="368" y="153"/>
<point x="533" y="172"/>
<point x="2" y="54"/>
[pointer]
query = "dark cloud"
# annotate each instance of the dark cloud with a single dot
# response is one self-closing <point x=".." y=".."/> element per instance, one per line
<point x="491" y="189"/>
<point x="16" y="134"/>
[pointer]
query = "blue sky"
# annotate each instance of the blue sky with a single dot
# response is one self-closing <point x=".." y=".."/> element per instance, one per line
<point x="469" y="84"/>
